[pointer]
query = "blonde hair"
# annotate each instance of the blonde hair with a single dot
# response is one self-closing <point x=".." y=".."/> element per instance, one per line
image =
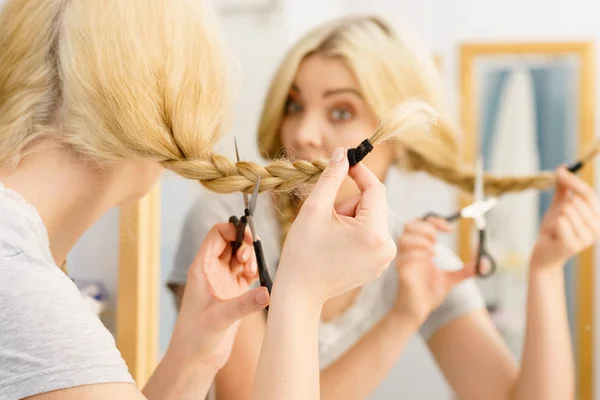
<point x="111" y="79"/>
<point x="391" y="70"/>
<point x="117" y="80"/>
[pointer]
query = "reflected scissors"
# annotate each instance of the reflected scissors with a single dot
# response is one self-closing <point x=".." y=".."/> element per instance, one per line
<point x="240" y="226"/>
<point x="477" y="211"/>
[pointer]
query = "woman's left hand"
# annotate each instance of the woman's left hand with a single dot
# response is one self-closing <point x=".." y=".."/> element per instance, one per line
<point x="216" y="297"/>
<point x="571" y="224"/>
<point x="423" y="286"/>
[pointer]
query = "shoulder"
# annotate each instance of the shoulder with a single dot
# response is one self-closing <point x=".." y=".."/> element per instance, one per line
<point x="60" y="343"/>
<point x="464" y="298"/>
<point x="218" y="207"/>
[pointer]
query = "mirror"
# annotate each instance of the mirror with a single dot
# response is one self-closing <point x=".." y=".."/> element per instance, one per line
<point x="527" y="107"/>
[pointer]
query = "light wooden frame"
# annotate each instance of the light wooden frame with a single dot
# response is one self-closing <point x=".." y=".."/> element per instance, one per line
<point x="137" y="292"/>
<point x="469" y="119"/>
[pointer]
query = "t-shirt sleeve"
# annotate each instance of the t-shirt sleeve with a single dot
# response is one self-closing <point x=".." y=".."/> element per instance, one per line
<point x="463" y="299"/>
<point x="50" y="339"/>
<point x="206" y="211"/>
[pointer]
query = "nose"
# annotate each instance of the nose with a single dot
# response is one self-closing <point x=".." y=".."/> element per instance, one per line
<point x="309" y="132"/>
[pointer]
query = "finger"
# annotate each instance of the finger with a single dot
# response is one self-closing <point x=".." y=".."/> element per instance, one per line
<point x="226" y="230"/>
<point x="586" y="214"/>
<point x="578" y="227"/>
<point x="229" y="311"/>
<point x="423" y="228"/>
<point x="251" y="267"/>
<point x="417" y="255"/>
<point x="248" y="235"/>
<point x="347" y="207"/>
<point x="565" y="233"/>
<point x="468" y="271"/>
<point x="410" y="242"/>
<point x="561" y="191"/>
<point x="571" y="181"/>
<point x="327" y="187"/>
<point x="217" y="240"/>
<point x="244" y="253"/>
<point x="441" y="224"/>
<point x="373" y="204"/>
<point x="251" y="270"/>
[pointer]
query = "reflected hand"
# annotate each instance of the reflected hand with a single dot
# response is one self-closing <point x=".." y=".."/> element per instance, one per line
<point x="422" y="286"/>
<point x="571" y="224"/>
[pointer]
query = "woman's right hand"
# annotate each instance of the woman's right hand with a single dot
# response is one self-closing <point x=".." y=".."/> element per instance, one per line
<point x="423" y="286"/>
<point x="332" y="249"/>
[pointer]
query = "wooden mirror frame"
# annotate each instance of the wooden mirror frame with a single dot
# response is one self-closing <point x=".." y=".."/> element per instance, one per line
<point x="138" y="286"/>
<point x="469" y="120"/>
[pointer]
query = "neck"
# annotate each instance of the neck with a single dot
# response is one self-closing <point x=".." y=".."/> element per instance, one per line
<point x="68" y="195"/>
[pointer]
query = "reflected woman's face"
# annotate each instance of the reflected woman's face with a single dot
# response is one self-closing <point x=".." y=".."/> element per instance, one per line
<point x="326" y="109"/>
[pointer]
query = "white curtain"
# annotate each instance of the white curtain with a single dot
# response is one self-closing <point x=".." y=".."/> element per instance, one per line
<point x="513" y="224"/>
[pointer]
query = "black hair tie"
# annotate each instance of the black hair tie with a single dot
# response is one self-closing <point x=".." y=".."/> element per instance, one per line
<point x="357" y="154"/>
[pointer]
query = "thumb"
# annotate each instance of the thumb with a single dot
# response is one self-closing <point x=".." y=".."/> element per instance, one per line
<point x="327" y="187"/>
<point x="468" y="271"/>
<point x="561" y="190"/>
<point x="229" y="311"/>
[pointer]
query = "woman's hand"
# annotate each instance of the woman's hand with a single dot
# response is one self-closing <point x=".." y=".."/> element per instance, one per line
<point x="571" y="224"/>
<point x="216" y="298"/>
<point x="329" y="249"/>
<point x="422" y="286"/>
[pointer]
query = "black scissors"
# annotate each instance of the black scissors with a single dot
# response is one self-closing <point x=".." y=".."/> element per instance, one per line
<point x="476" y="211"/>
<point x="240" y="226"/>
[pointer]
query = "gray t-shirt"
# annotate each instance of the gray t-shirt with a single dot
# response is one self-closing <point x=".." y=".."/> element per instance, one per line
<point x="372" y="303"/>
<point x="49" y="339"/>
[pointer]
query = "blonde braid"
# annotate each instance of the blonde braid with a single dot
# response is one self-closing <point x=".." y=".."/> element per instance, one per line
<point x="413" y="124"/>
<point x="220" y="175"/>
<point x="464" y="178"/>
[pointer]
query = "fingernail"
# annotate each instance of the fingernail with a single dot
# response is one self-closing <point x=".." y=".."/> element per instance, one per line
<point x="338" y="154"/>
<point x="245" y="254"/>
<point x="262" y="297"/>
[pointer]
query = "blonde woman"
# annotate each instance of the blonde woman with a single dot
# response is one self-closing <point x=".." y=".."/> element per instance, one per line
<point x="331" y="90"/>
<point x="96" y="98"/>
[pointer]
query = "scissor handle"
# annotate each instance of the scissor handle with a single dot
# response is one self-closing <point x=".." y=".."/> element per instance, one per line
<point x="240" y="229"/>
<point x="448" y="218"/>
<point x="483" y="253"/>
<point x="432" y="215"/>
<point x="263" y="273"/>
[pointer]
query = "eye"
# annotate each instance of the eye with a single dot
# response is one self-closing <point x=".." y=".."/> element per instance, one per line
<point x="292" y="107"/>
<point x="341" y="114"/>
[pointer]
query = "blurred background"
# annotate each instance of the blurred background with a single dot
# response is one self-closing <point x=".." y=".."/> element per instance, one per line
<point x="258" y="33"/>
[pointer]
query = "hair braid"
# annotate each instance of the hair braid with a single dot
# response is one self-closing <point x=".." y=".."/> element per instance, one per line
<point x="220" y="175"/>
<point x="413" y="123"/>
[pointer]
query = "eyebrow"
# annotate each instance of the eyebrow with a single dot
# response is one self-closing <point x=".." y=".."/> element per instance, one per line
<point x="333" y="92"/>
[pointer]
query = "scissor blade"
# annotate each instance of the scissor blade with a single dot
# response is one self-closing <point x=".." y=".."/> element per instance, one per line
<point x="478" y="192"/>
<point x="254" y="196"/>
<point x="478" y="208"/>
<point x="237" y="155"/>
